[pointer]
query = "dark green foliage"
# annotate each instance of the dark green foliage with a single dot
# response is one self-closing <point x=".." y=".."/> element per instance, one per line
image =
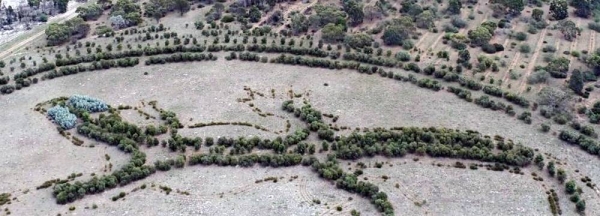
<point x="359" y="40"/>
<point x="180" y="57"/>
<point x="471" y="84"/>
<point x="61" y="5"/>
<point x="514" y="6"/>
<point x="288" y="49"/>
<point x="493" y="90"/>
<point x="354" y="9"/>
<point x="454" y="6"/>
<point x="333" y="33"/>
<point x="129" y="11"/>
<point x="99" y="65"/>
<point x="516" y="99"/>
<point x="571" y="187"/>
<point x="327" y="14"/>
<point x="393" y="144"/>
<point x="460" y="92"/>
<point x="580" y="206"/>
<point x="72" y="29"/>
<point x="369" y="59"/>
<point x="521" y="36"/>
<point x="480" y="36"/>
<point x="394" y="35"/>
<point x="576" y="82"/>
<point x="585" y="143"/>
<point x="525" y="117"/>
<point x="4" y="80"/>
<point x="561" y="175"/>
<point x="551" y="168"/>
<point x="539" y="161"/>
<point x="545" y="128"/>
<point x="90" y="12"/>
<point x="7" y="89"/>
<point x="537" y="14"/>
<point x="559" y="9"/>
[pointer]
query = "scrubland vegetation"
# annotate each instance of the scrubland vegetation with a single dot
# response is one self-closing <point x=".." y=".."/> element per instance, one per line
<point x="535" y="62"/>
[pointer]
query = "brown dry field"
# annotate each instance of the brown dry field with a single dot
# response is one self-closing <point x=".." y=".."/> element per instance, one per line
<point x="34" y="152"/>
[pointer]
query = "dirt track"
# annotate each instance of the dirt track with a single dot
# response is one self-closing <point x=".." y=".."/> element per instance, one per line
<point x="57" y="19"/>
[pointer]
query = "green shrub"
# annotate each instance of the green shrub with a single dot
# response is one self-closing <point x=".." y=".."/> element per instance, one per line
<point x="521" y="36"/>
<point x="524" y="48"/>
<point x="545" y="127"/>
<point x="227" y="18"/>
<point x="403" y="56"/>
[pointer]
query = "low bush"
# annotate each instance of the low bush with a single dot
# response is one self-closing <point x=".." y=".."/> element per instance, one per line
<point x="461" y="93"/>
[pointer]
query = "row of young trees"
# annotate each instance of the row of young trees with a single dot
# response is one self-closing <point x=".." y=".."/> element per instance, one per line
<point x="97" y="65"/>
<point x="73" y="29"/>
<point x="586" y="143"/>
<point x="181" y="57"/>
<point x="435" y="142"/>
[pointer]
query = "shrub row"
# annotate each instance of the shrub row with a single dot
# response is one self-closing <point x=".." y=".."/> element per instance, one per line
<point x="349" y="182"/>
<point x="97" y="57"/>
<point x="181" y="57"/>
<point x="485" y="102"/>
<point x="266" y="160"/>
<point x="133" y="171"/>
<point x="98" y="65"/>
<point x="44" y="67"/>
<point x="112" y="130"/>
<point x="369" y="59"/>
<point x="287" y="49"/>
<point x="435" y="142"/>
<point x="461" y="93"/>
<point x="584" y="142"/>
<point x="516" y="99"/>
<point x="469" y="83"/>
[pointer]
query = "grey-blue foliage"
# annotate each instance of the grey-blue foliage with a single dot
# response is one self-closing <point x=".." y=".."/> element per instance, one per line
<point x="87" y="103"/>
<point x="62" y="117"/>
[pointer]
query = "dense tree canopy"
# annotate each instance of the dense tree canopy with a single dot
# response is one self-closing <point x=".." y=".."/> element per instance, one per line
<point x="61" y="5"/>
<point x="354" y="9"/>
<point x="129" y="11"/>
<point x="398" y="30"/>
<point x="513" y="7"/>
<point x="333" y="33"/>
<point x="325" y="15"/>
<point x="454" y="7"/>
<point x="559" y="9"/>
<point x="481" y="35"/>
<point x="299" y="23"/>
<point x="91" y="12"/>
<point x="74" y="28"/>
